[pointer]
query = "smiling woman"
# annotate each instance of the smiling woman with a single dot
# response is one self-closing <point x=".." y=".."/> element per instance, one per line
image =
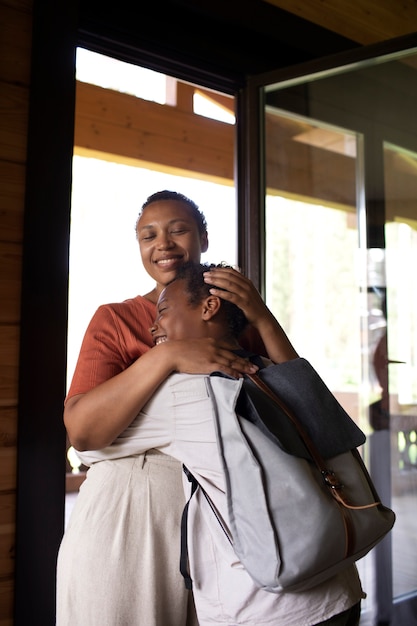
<point x="170" y="233"/>
<point x="105" y="205"/>
<point x="116" y="373"/>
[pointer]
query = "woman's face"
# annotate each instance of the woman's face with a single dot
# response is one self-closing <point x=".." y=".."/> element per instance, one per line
<point x="168" y="236"/>
<point x="176" y="318"/>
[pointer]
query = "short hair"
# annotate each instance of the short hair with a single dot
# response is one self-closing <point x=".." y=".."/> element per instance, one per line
<point x="197" y="289"/>
<point x="196" y="213"/>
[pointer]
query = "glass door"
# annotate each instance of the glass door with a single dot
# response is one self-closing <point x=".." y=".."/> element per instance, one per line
<point x="340" y="224"/>
<point x="400" y="175"/>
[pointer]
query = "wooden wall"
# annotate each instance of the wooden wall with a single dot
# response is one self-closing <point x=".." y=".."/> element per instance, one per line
<point x="15" y="46"/>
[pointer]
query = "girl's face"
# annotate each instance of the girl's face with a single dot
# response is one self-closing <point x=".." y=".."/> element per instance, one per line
<point x="176" y="318"/>
<point x="168" y="236"/>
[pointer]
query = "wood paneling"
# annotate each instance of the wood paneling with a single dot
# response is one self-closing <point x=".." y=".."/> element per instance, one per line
<point x="14" y="102"/>
<point x="9" y="359"/>
<point x="8" y="431"/>
<point x="8" y="477"/>
<point x="15" y="42"/>
<point x="362" y="21"/>
<point x="15" y="61"/>
<point x="12" y="195"/>
<point x="6" y="598"/>
<point x="10" y="276"/>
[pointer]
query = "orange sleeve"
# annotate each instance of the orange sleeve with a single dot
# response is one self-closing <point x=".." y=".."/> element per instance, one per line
<point x="116" y="336"/>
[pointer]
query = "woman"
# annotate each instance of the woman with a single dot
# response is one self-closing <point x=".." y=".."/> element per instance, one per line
<point x="120" y="565"/>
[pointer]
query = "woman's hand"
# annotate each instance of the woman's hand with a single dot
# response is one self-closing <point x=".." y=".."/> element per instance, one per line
<point x="231" y="285"/>
<point x="203" y="356"/>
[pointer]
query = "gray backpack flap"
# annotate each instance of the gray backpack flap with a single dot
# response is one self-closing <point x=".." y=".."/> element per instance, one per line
<point x="301" y="503"/>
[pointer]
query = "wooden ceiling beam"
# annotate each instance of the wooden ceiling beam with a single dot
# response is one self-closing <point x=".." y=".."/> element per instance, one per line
<point x="362" y="21"/>
<point x="125" y="129"/>
<point x="114" y="123"/>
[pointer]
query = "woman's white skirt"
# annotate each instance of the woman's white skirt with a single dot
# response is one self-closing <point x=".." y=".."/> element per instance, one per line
<point x="118" y="563"/>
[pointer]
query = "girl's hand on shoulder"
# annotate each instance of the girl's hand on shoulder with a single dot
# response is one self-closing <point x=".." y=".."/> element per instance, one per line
<point x="204" y="356"/>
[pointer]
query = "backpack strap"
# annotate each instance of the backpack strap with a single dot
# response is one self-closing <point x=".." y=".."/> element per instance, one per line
<point x="184" y="563"/>
<point x="184" y="568"/>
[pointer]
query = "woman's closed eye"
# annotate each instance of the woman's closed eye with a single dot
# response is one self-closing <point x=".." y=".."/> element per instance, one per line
<point x="179" y="231"/>
<point x="161" y="308"/>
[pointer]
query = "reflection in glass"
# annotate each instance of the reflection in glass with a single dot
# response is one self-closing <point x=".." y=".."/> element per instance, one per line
<point x="401" y="243"/>
<point x="341" y="253"/>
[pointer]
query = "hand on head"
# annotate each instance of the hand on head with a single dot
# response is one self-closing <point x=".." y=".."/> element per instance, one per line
<point x="231" y="285"/>
<point x="187" y="313"/>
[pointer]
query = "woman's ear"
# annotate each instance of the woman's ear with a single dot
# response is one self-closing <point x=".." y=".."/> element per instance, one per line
<point x="210" y="307"/>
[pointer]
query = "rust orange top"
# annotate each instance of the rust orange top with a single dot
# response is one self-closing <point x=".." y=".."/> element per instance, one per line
<point x="117" y="335"/>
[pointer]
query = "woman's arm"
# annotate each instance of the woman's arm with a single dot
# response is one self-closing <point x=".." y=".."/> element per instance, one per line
<point x="236" y="288"/>
<point x="94" y="419"/>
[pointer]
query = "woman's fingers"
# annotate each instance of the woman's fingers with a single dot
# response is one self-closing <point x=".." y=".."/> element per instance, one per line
<point x="230" y="285"/>
<point x="204" y="356"/>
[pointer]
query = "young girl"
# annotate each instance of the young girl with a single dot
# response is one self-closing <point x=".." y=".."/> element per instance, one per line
<point x="178" y="421"/>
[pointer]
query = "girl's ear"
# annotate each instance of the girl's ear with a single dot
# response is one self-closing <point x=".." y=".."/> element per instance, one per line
<point x="210" y="307"/>
<point x="204" y="242"/>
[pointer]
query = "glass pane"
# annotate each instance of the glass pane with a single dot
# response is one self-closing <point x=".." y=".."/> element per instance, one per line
<point x="341" y="248"/>
<point x="311" y="247"/>
<point x="401" y="244"/>
<point x="312" y="244"/>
